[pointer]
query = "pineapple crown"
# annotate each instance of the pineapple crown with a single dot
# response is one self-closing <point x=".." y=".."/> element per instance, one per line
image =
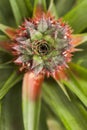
<point x="43" y="45"/>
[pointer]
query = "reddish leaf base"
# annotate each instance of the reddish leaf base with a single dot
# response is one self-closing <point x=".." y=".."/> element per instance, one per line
<point x="5" y="45"/>
<point x="59" y="75"/>
<point x="76" y="40"/>
<point x="10" y="32"/>
<point x="32" y="85"/>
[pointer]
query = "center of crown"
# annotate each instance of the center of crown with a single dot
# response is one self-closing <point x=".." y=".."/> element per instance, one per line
<point x="41" y="47"/>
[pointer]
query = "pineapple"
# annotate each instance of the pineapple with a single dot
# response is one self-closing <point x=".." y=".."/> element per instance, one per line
<point x="42" y="71"/>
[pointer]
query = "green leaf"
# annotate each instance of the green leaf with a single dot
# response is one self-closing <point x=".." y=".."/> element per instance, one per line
<point x="22" y="8"/>
<point x="43" y="117"/>
<point x="3" y="38"/>
<point x="31" y="100"/>
<point x="11" y="110"/>
<point x="51" y="121"/>
<point x="80" y="57"/>
<point x="78" y="39"/>
<point x="6" y="16"/>
<point x="66" y="110"/>
<point x="0" y="112"/>
<point x="81" y="75"/>
<point x="53" y="124"/>
<point x="77" y="17"/>
<point x="79" y="71"/>
<point x="79" y="1"/>
<point x="41" y="3"/>
<point x="5" y="66"/>
<point x="16" y="11"/>
<point x="31" y="113"/>
<point x="1" y="17"/>
<point x="10" y="32"/>
<point x="52" y="9"/>
<point x="63" y="6"/>
<point x="29" y="6"/>
<point x="5" y="76"/>
<point x="11" y="81"/>
<point x="74" y="85"/>
<point x="5" y="57"/>
<point x="63" y="88"/>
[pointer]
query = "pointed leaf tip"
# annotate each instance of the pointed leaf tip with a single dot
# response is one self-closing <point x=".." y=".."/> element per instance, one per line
<point x="39" y="7"/>
<point x="79" y="39"/>
<point x="10" y="32"/>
